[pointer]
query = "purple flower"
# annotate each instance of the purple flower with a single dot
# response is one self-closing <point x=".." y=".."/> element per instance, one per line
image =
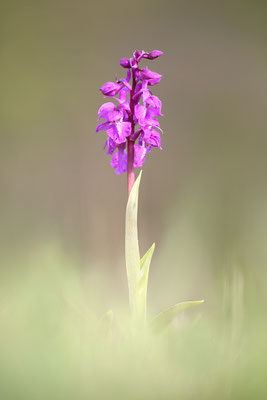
<point x="151" y="137"/>
<point x="119" y="160"/>
<point x="139" y="155"/>
<point x="131" y="124"/>
<point x="152" y="78"/>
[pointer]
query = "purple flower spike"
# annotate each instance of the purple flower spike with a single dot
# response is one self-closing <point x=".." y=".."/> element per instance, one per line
<point x="131" y="124"/>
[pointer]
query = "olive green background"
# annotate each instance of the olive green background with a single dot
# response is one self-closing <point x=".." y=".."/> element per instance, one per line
<point x="208" y="184"/>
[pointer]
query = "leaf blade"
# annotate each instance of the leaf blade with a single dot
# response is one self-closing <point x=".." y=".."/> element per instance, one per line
<point x="142" y="283"/>
<point x="164" y="318"/>
<point x="132" y="254"/>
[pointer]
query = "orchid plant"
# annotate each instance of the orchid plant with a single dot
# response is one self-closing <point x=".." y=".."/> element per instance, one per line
<point x="133" y="130"/>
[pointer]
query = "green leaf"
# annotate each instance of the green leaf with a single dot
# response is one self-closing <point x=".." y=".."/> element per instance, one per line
<point x="143" y="283"/>
<point x="163" y="319"/>
<point x="132" y="254"/>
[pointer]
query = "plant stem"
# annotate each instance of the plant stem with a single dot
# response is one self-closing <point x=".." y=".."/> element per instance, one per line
<point x="130" y="141"/>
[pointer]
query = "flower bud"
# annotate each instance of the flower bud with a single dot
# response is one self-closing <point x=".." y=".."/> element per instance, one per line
<point x="153" y="54"/>
<point x="125" y="63"/>
<point x="111" y="88"/>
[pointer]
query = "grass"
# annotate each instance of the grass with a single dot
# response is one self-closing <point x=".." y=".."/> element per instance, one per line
<point x="55" y="345"/>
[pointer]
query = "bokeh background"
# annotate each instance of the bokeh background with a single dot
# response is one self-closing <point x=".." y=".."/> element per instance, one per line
<point x="203" y="198"/>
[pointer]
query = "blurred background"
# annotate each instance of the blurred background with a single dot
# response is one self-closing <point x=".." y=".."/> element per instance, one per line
<point x="203" y="198"/>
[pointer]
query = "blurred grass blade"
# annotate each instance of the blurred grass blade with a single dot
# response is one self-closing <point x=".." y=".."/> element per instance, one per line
<point x="145" y="260"/>
<point x="132" y="255"/>
<point x="143" y="283"/>
<point x="163" y="319"/>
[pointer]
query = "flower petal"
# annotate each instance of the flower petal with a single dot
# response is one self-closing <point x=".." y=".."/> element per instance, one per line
<point x="153" y="112"/>
<point x="153" y="101"/>
<point x="111" y="145"/>
<point x="153" y="54"/>
<point x="119" y="161"/>
<point x="114" y="115"/>
<point x="126" y="84"/>
<point x="140" y="112"/>
<point x="155" y="81"/>
<point x="139" y="155"/>
<point x="147" y="74"/>
<point x="119" y="131"/>
<point x="152" y="137"/>
<point x="102" y="127"/>
<point x="104" y="109"/>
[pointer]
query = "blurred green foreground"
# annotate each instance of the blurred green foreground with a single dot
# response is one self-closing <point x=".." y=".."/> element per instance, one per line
<point x="55" y="345"/>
